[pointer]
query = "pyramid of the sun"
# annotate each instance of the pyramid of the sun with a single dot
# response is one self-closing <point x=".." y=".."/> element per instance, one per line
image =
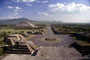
<point x="25" y="24"/>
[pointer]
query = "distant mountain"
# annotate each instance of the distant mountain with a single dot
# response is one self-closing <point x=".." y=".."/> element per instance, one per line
<point x="15" y="21"/>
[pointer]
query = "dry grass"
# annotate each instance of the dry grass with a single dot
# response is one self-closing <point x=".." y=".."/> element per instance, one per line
<point x="83" y="43"/>
<point x="31" y="36"/>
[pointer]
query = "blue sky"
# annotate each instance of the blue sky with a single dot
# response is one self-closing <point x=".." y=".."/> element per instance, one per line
<point x="46" y="10"/>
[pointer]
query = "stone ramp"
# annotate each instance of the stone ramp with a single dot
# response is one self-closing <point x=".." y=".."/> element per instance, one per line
<point x="49" y="53"/>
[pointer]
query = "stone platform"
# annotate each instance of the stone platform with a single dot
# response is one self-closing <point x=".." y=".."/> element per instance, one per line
<point x="48" y="53"/>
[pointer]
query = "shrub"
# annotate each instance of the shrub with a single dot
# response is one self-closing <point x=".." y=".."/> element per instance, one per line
<point x="1" y="51"/>
<point x="9" y="31"/>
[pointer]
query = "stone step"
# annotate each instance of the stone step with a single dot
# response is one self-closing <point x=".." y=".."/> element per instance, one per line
<point x="16" y="52"/>
<point x="19" y="50"/>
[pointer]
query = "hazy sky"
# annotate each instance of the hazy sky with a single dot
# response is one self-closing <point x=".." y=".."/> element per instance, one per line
<point x="52" y="10"/>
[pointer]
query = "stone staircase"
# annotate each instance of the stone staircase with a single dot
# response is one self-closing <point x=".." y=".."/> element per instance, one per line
<point x="19" y="49"/>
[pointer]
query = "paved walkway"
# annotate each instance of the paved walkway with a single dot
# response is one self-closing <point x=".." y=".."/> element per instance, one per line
<point x="64" y="39"/>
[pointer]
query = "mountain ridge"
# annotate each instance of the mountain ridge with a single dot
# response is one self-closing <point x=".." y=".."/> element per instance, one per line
<point x="15" y="21"/>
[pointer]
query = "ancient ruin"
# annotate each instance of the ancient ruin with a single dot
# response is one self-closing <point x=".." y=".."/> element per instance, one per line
<point x="26" y="24"/>
<point x="17" y="40"/>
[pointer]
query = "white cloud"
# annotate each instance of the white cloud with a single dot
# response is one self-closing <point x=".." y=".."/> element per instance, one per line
<point x="28" y="4"/>
<point x="25" y="0"/>
<point x="10" y="7"/>
<point x="14" y="14"/>
<point x="45" y="1"/>
<point x="16" y="11"/>
<point x="44" y="13"/>
<point x="72" y="7"/>
<point x="18" y="8"/>
<point x="11" y="16"/>
<point x="70" y="12"/>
